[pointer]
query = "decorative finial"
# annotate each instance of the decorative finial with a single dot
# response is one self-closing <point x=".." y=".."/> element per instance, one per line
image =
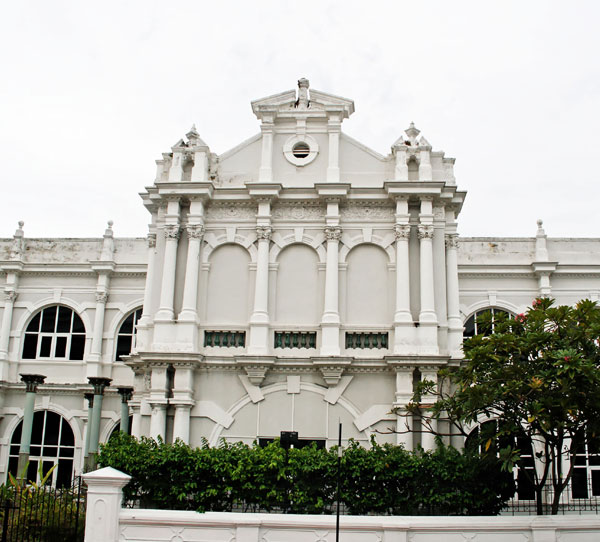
<point x="193" y="136"/>
<point x="110" y="224"/>
<point x="21" y="224"/>
<point x="412" y="132"/>
<point x="540" y="222"/>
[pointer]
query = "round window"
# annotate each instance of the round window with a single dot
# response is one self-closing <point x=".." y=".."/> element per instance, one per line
<point x="300" y="150"/>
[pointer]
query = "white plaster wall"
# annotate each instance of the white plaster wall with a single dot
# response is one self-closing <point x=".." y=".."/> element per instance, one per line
<point x="228" y="286"/>
<point x="297" y="302"/>
<point x="367" y="290"/>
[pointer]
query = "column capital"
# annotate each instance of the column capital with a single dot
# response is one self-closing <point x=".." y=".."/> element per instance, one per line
<point x="126" y="393"/>
<point x="451" y="240"/>
<point x="101" y="297"/>
<point x="99" y="383"/>
<point x="172" y="231"/>
<point x="264" y="232"/>
<point x="10" y="296"/>
<point x="402" y="231"/>
<point x="151" y="240"/>
<point x="32" y="381"/>
<point x="89" y="397"/>
<point x="195" y="231"/>
<point x="333" y="233"/>
<point x="425" y="231"/>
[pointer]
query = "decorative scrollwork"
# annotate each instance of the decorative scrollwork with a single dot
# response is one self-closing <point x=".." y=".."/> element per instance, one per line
<point x="195" y="231"/>
<point x="425" y="231"/>
<point x="333" y="233"/>
<point x="172" y="232"/>
<point x="151" y="240"/>
<point x="452" y="240"/>
<point x="402" y="231"/>
<point x="263" y="232"/>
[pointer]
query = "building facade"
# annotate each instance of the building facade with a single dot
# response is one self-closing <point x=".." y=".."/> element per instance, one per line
<point x="298" y="280"/>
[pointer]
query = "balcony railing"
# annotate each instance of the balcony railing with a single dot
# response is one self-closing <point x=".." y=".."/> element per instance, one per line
<point x="366" y="340"/>
<point x="225" y="339"/>
<point x="295" y="339"/>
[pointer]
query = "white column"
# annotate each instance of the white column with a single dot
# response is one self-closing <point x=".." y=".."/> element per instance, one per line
<point x="404" y="420"/>
<point x="265" y="173"/>
<point x="181" y="423"/>
<point x="183" y="399"/>
<point x="10" y="297"/>
<point x="427" y="437"/>
<point x="167" y="290"/>
<point x="403" y="320"/>
<point x="259" y="321"/>
<point x="200" y="169"/>
<point x="188" y="312"/>
<point x="330" y="324"/>
<point x="158" y="400"/>
<point x="428" y="344"/>
<point x="96" y="351"/>
<point x="401" y="167"/>
<point x="176" y="170"/>
<point x="334" y="129"/>
<point x="427" y="313"/>
<point x="142" y="337"/>
<point x="136" y="422"/>
<point x="455" y="325"/>
<point x="158" y="420"/>
<point x="425" y="171"/>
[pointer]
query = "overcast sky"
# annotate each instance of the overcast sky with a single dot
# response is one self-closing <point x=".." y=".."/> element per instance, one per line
<point x="91" y="93"/>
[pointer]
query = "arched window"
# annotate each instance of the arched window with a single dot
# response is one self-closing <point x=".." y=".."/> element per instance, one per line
<point x="52" y="443"/>
<point x="524" y="472"/>
<point x="127" y="333"/>
<point x="55" y="332"/>
<point x="471" y="327"/>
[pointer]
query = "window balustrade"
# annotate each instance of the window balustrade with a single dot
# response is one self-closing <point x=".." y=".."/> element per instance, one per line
<point x="295" y="339"/>
<point x="225" y="339"/>
<point x="367" y="340"/>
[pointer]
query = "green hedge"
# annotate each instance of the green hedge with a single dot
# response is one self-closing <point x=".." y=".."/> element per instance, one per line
<point x="383" y="479"/>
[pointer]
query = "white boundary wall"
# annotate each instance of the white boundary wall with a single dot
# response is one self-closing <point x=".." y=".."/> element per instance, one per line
<point x="106" y="521"/>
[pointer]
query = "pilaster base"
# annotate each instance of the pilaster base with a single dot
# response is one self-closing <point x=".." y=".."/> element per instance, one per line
<point x="258" y="344"/>
<point x="187" y="335"/>
<point x="428" y="339"/>
<point x="330" y="340"/>
<point x="404" y="338"/>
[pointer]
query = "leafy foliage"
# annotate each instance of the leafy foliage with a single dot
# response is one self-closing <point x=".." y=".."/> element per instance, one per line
<point x="37" y="511"/>
<point x="538" y="376"/>
<point x="384" y="479"/>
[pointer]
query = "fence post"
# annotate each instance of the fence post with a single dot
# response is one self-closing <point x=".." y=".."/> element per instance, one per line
<point x="104" y="497"/>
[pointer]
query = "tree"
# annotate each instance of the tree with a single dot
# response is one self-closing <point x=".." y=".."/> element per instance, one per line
<point x="538" y="376"/>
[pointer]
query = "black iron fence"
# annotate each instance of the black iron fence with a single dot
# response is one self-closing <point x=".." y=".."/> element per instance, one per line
<point x="581" y="497"/>
<point x="35" y="513"/>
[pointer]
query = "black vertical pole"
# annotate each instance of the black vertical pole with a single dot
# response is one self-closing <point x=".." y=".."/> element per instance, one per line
<point x="339" y="465"/>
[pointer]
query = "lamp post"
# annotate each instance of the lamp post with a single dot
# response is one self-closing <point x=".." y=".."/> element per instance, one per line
<point x="339" y="470"/>
<point x="31" y="383"/>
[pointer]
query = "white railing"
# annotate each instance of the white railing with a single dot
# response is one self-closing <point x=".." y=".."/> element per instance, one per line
<point x="107" y="521"/>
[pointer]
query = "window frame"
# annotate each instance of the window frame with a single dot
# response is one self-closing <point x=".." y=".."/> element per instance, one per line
<point x="41" y="335"/>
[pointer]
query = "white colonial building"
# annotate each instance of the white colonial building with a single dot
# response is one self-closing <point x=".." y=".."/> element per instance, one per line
<point x="297" y="280"/>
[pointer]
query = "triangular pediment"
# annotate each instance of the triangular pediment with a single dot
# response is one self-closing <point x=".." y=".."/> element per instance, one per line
<point x="303" y="102"/>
